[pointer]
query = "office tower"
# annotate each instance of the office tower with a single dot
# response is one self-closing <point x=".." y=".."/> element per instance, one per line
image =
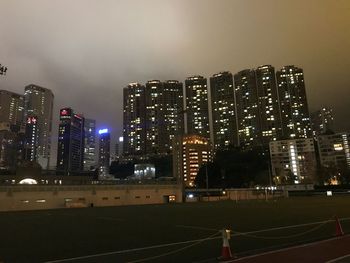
<point x="293" y="161"/>
<point x="70" y="150"/>
<point x="173" y="112"/>
<point x="11" y="146"/>
<point x="190" y="152"/>
<point x="31" y="138"/>
<point x="89" y="144"/>
<point x="134" y="107"/>
<point x="322" y="121"/>
<point x="39" y="103"/>
<point x="197" y="114"/>
<point x="293" y="103"/>
<point x="104" y="151"/>
<point x="11" y="107"/>
<point x="247" y="110"/>
<point x="334" y="150"/>
<point x="268" y="106"/>
<point x="223" y="110"/>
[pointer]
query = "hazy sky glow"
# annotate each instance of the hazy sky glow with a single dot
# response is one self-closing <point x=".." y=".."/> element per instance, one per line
<point x="86" y="51"/>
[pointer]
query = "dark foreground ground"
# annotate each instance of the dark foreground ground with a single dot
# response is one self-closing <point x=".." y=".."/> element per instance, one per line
<point x="148" y="233"/>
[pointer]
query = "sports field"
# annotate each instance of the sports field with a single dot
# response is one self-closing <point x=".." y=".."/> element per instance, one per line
<point x="167" y="233"/>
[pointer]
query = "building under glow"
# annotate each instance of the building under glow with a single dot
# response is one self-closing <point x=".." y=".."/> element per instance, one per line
<point x="197" y="109"/>
<point x="293" y="161"/>
<point x="223" y="110"/>
<point x="293" y="103"/>
<point x="190" y="152"/>
<point x="39" y="103"/>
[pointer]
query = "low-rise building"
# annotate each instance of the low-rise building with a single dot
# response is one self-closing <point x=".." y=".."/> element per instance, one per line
<point x="334" y="150"/>
<point x="190" y="152"/>
<point x="293" y="161"/>
<point x="12" y="140"/>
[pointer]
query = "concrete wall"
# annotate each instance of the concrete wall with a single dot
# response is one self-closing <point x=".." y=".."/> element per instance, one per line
<point x="240" y="195"/>
<point x="49" y="197"/>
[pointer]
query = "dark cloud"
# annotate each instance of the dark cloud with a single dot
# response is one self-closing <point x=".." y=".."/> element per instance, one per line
<point x="87" y="51"/>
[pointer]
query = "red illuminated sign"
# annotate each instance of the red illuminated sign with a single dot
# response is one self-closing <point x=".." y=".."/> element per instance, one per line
<point x="77" y="116"/>
<point x="32" y="120"/>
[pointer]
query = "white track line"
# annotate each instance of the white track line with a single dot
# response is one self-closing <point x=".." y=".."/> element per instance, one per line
<point x="198" y="227"/>
<point x="281" y="227"/>
<point x="186" y="242"/>
<point x="286" y="249"/>
<point x="132" y="250"/>
<point x="336" y="259"/>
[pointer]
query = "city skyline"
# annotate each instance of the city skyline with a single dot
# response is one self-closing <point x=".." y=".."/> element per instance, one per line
<point x="96" y="60"/>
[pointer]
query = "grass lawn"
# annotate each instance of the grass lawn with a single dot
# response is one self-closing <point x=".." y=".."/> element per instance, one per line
<point x="40" y="236"/>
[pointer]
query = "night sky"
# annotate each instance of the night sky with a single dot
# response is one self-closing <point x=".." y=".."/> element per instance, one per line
<point x="87" y="51"/>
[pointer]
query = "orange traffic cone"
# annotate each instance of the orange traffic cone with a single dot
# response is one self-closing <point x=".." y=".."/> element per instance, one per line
<point x="226" y="251"/>
<point x="338" y="229"/>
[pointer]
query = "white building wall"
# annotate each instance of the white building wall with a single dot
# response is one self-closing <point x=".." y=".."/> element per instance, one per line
<point x="52" y="197"/>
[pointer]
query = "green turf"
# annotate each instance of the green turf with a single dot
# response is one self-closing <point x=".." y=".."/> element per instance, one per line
<point x="39" y="236"/>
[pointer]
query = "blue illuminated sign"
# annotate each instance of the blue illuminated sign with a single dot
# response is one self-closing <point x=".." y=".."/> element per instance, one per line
<point x="102" y="131"/>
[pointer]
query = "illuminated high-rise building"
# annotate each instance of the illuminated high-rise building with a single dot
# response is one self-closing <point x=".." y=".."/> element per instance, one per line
<point x="70" y="150"/>
<point x="268" y="104"/>
<point x="31" y="138"/>
<point x="154" y="117"/>
<point x="164" y="117"/>
<point x="248" y="117"/>
<point x="173" y="111"/>
<point x="322" y="121"/>
<point x="104" y="153"/>
<point x="11" y="107"/>
<point x="39" y="103"/>
<point x="197" y="113"/>
<point x="89" y="144"/>
<point x="293" y="103"/>
<point x="223" y="110"/>
<point x="190" y="152"/>
<point x="134" y="130"/>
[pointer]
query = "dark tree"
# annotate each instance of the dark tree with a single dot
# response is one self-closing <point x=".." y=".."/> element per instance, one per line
<point x="233" y="167"/>
<point x="121" y="171"/>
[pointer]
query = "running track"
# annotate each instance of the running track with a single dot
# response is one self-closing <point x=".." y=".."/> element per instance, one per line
<point x="317" y="252"/>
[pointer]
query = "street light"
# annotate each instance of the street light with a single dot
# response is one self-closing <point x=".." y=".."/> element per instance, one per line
<point x="3" y="70"/>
